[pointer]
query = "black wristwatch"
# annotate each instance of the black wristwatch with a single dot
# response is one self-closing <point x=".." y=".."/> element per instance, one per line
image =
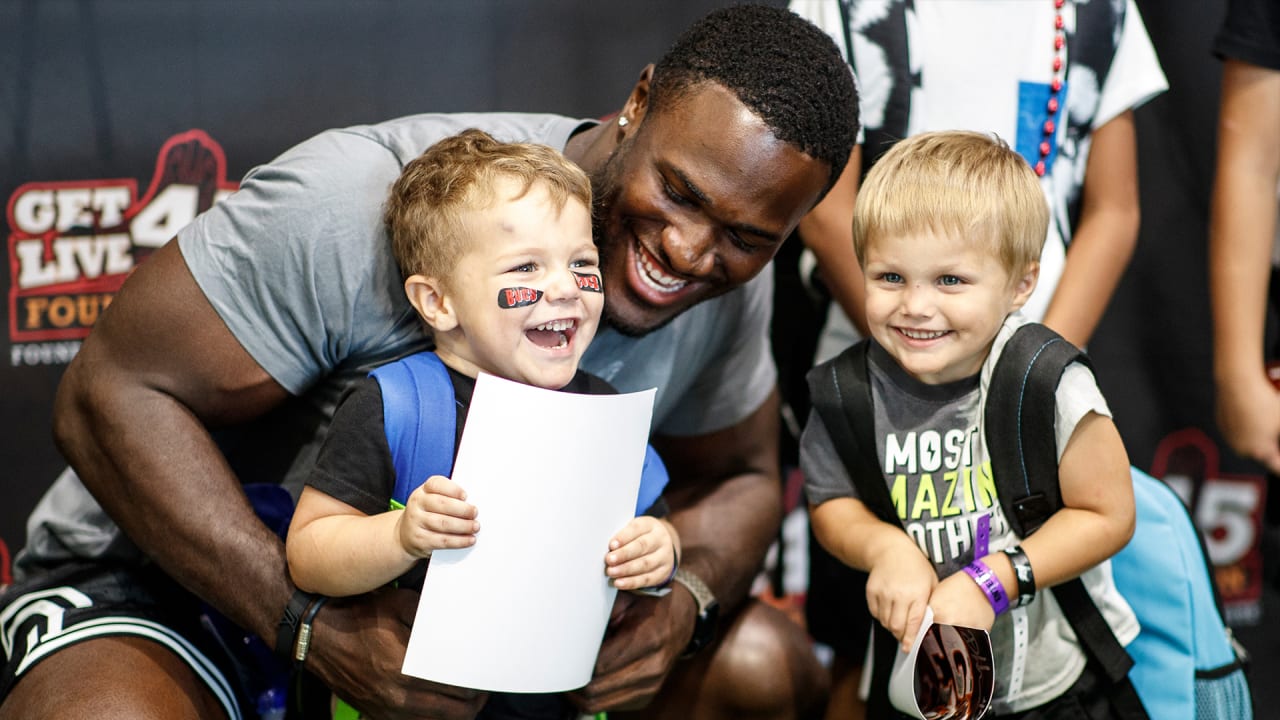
<point x="704" y="626"/>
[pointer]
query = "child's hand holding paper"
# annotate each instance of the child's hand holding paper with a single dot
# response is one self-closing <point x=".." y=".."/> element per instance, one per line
<point x="947" y="674"/>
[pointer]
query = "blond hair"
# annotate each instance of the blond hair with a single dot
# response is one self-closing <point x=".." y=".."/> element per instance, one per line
<point x="425" y="210"/>
<point x="955" y="182"/>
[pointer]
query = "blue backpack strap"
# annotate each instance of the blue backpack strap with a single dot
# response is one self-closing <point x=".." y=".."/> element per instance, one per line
<point x="420" y="420"/>
<point x="653" y="480"/>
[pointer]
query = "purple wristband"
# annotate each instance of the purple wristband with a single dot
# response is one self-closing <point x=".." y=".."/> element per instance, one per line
<point x="990" y="584"/>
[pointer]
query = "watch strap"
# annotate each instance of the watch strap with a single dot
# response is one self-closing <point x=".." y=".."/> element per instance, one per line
<point x="698" y="589"/>
<point x="302" y="645"/>
<point x="287" y="627"/>
<point x="1022" y="571"/>
<point x="704" y="626"/>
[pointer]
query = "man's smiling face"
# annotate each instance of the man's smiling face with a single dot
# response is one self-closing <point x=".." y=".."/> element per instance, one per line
<point x="694" y="202"/>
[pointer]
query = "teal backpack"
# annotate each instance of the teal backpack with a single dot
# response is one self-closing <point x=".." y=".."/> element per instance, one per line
<point x="1185" y="663"/>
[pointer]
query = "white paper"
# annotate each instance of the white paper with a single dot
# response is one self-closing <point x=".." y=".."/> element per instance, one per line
<point x="553" y="476"/>
<point x="966" y="696"/>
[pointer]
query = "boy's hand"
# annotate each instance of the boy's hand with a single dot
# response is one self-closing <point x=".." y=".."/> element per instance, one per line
<point x="959" y="601"/>
<point x="436" y="516"/>
<point x="643" y="554"/>
<point x="898" y="588"/>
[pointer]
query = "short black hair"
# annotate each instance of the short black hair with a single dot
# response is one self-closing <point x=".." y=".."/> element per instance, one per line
<point x="781" y="66"/>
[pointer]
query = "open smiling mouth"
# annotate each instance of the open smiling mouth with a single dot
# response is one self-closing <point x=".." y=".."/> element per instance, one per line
<point x="922" y="334"/>
<point x="553" y="335"/>
<point x="653" y="276"/>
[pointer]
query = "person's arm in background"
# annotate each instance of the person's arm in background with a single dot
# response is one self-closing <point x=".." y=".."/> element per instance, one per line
<point x="1104" y="238"/>
<point x="1241" y="235"/>
<point x="724" y="500"/>
<point x="828" y="232"/>
<point x="131" y="415"/>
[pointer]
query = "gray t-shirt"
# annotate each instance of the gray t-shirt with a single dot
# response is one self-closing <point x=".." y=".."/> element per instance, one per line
<point x="299" y="267"/>
<point x="931" y="444"/>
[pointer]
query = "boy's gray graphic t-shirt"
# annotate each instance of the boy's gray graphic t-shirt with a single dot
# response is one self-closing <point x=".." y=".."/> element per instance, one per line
<point x="932" y="452"/>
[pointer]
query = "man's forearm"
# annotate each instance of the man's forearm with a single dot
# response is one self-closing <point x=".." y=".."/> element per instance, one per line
<point x="727" y="532"/>
<point x="726" y="500"/>
<point x="131" y="415"/>
<point x="175" y="497"/>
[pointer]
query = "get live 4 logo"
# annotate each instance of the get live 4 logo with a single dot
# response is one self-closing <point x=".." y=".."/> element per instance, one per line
<point x="72" y="244"/>
<point x="1228" y="511"/>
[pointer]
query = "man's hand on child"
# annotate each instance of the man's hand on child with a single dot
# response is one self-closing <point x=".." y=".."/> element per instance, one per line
<point x="958" y="600"/>
<point x="898" y="589"/>
<point x="643" y="554"/>
<point x="437" y="516"/>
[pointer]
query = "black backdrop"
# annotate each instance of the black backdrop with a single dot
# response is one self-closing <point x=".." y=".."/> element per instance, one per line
<point x="90" y="91"/>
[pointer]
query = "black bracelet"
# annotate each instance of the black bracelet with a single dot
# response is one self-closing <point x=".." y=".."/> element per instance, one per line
<point x="287" y="628"/>
<point x="303" y="643"/>
<point x="1026" y="578"/>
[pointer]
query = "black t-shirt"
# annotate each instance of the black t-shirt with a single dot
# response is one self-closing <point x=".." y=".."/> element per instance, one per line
<point x="1251" y="32"/>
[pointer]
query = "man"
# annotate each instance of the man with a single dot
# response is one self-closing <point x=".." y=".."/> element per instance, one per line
<point x="221" y="359"/>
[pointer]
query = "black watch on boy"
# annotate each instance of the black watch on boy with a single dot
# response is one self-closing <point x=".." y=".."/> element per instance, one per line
<point x="704" y="626"/>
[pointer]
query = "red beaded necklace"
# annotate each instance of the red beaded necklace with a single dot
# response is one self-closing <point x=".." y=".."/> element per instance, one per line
<point x="1055" y="88"/>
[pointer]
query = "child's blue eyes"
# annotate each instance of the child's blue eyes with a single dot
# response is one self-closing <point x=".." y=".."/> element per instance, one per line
<point x="944" y="280"/>
<point x="533" y="267"/>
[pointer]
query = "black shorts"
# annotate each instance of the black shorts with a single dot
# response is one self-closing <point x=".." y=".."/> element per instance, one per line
<point x="52" y="610"/>
<point x="71" y="603"/>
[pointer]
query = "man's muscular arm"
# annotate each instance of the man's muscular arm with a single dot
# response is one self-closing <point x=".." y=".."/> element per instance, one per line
<point x="131" y="416"/>
<point x="724" y="496"/>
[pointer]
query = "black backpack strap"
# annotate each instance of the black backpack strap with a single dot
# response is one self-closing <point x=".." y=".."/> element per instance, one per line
<point x="1020" y="417"/>
<point x="840" y="391"/>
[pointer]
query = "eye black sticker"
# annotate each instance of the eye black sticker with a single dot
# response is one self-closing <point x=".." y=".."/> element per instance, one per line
<point x="590" y="283"/>
<point x="518" y="297"/>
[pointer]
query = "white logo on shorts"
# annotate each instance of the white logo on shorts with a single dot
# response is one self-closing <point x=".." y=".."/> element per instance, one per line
<point x="48" y="604"/>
